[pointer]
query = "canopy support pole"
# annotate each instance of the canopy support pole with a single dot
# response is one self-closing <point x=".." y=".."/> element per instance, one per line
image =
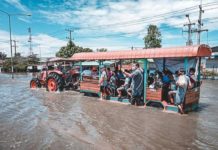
<point x="199" y="70"/>
<point x="164" y="64"/>
<point x="145" y="78"/>
<point x="120" y="64"/>
<point x="186" y="65"/>
<point x="64" y="65"/>
<point x="99" y="70"/>
<point x="80" y="70"/>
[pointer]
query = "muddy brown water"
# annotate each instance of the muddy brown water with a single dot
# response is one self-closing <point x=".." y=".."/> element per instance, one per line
<point x="36" y="119"/>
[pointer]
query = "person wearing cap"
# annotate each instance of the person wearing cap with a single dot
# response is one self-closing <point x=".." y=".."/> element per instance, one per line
<point x="137" y="83"/>
<point x="103" y="82"/>
<point x="183" y="83"/>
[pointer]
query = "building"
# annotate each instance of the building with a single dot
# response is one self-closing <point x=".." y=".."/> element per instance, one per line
<point x="212" y="62"/>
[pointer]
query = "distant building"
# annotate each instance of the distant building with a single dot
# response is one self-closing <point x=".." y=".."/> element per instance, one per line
<point x="212" y="62"/>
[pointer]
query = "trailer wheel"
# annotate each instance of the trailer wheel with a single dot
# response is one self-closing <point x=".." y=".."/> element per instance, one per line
<point x="54" y="82"/>
<point x="35" y="83"/>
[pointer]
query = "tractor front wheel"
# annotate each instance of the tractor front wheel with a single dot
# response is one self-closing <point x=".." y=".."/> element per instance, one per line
<point x="35" y="83"/>
<point x="54" y="82"/>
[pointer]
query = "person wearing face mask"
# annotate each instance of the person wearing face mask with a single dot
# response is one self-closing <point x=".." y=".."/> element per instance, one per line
<point x="137" y="83"/>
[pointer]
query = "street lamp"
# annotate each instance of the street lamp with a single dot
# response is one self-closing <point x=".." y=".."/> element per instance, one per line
<point x="9" y="22"/>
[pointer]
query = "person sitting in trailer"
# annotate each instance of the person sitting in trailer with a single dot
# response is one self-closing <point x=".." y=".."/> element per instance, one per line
<point x="183" y="83"/>
<point x="136" y="85"/>
<point x="173" y="88"/>
<point x="192" y="77"/>
<point x="150" y="78"/>
<point x="94" y="73"/>
<point x="119" y="76"/>
<point x="125" y="86"/>
<point x="109" y="74"/>
<point x="103" y="82"/>
<point x="166" y="84"/>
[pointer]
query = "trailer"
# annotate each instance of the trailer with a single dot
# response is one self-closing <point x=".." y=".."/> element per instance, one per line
<point x="170" y="58"/>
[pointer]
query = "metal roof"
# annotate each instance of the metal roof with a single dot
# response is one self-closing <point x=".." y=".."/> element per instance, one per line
<point x="186" y="51"/>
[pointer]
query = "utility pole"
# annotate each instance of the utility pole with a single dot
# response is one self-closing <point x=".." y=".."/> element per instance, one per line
<point x="15" y="47"/>
<point x="200" y="24"/>
<point x="201" y="62"/>
<point x="30" y="41"/>
<point x="189" y="31"/>
<point x="70" y="34"/>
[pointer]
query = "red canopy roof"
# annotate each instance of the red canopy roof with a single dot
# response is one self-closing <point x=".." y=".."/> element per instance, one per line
<point x="186" y="51"/>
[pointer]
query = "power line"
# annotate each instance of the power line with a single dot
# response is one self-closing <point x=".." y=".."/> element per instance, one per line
<point x="144" y="19"/>
<point x="135" y="23"/>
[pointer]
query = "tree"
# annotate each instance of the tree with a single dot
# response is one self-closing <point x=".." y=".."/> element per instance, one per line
<point x="101" y="50"/>
<point x="2" y="55"/>
<point x="153" y="37"/>
<point x="32" y="59"/>
<point x="70" y="49"/>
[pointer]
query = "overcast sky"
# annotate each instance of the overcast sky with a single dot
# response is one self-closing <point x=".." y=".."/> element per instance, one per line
<point x="111" y="24"/>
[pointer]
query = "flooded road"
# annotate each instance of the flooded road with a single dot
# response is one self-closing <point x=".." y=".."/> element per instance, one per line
<point x="36" y="119"/>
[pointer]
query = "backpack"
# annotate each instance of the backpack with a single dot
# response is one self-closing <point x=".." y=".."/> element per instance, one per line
<point x="182" y="81"/>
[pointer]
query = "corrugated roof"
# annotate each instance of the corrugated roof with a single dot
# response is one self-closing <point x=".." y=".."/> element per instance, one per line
<point x="186" y="51"/>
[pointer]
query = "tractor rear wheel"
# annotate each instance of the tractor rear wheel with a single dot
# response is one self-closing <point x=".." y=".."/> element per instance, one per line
<point x="54" y="82"/>
<point x="35" y="83"/>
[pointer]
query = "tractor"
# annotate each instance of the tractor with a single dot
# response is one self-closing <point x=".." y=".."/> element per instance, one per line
<point x="58" y="79"/>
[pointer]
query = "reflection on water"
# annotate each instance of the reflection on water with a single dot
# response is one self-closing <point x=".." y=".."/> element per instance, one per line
<point x="36" y="119"/>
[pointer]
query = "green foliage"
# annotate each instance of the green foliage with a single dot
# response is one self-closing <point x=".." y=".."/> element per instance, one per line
<point x="153" y="37"/>
<point x="20" y="63"/>
<point x="70" y="49"/>
<point x="101" y="50"/>
<point x="32" y="59"/>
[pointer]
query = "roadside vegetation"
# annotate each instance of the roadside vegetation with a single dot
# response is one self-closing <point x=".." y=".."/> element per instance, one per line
<point x="20" y="63"/>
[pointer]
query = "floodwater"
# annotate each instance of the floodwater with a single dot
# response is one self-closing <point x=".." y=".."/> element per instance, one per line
<point x="38" y="120"/>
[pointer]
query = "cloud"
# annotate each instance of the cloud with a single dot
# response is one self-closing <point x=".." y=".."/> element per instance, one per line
<point x="18" y="5"/>
<point x="126" y="16"/>
<point x="94" y="20"/>
<point x="41" y="42"/>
